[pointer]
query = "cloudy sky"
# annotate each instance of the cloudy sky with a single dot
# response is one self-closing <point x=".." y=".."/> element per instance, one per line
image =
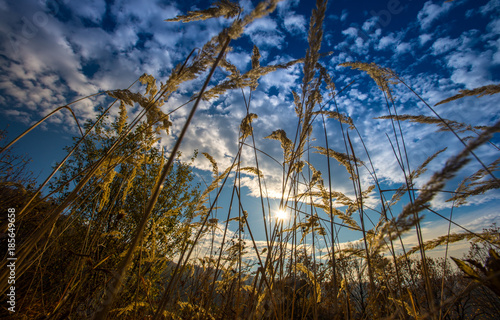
<point x="53" y="52"/>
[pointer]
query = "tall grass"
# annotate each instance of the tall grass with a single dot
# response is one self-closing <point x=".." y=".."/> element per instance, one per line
<point x="133" y="259"/>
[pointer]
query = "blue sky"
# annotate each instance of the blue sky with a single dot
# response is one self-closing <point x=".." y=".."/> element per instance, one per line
<point x="53" y="52"/>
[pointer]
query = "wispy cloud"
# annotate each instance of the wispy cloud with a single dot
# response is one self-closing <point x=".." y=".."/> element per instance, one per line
<point x="265" y="33"/>
<point x="431" y="12"/>
<point x="424" y="38"/>
<point x="443" y="45"/>
<point x="491" y="7"/>
<point x="295" y="24"/>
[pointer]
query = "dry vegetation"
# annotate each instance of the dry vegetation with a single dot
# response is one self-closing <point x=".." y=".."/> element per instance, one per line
<point x="115" y="236"/>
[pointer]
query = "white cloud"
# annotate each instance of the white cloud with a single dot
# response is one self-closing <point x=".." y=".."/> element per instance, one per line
<point x="431" y="12"/>
<point x="240" y="59"/>
<point x="482" y="220"/>
<point x="494" y="27"/>
<point x="356" y="41"/>
<point x="285" y="6"/>
<point x="283" y="79"/>
<point x="491" y="6"/>
<point x="386" y="41"/>
<point x="370" y="23"/>
<point x="496" y="55"/>
<point x="295" y="24"/>
<point x="403" y="47"/>
<point x="350" y="32"/>
<point x="344" y="15"/>
<point x="424" y="38"/>
<point x="470" y="68"/>
<point x="470" y="13"/>
<point x="356" y="94"/>
<point x="443" y="45"/>
<point x="336" y="17"/>
<point x="62" y="49"/>
<point x="92" y="10"/>
<point x="264" y="32"/>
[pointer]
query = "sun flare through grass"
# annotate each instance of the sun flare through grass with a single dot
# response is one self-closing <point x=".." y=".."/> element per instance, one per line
<point x="281" y="215"/>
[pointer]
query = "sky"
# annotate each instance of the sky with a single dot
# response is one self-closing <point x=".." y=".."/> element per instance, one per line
<point x="54" y="52"/>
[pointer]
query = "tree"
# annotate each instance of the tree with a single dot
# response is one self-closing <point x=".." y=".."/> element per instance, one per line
<point x="91" y="236"/>
<point x="13" y="167"/>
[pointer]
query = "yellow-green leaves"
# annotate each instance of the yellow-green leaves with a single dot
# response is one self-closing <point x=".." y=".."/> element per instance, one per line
<point x="467" y="269"/>
<point x="489" y="275"/>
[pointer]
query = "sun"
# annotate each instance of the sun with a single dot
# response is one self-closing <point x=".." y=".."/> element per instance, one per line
<point x="281" y="214"/>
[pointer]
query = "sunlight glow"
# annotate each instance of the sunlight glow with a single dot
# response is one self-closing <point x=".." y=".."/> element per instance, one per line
<point x="281" y="214"/>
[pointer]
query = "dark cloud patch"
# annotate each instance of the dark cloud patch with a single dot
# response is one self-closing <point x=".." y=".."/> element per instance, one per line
<point x="90" y="68"/>
<point x="88" y="23"/>
<point x="144" y="37"/>
<point x="109" y="20"/>
<point x="59" y="10"/>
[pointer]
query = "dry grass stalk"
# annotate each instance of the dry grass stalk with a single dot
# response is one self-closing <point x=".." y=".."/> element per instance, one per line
<point x="406" y="219"/>
<point x="475" y="184"/>
<point x="337" y="198"/>
<point x="444" y="239"/>
<point x="215" y="168"/>
<point x="252" y="170"/>
<point x="286" y="144"/>
<point x="337" y="116"/>
<point x="382" y="76"/>
<point x="342" y="158"/>
<point x="413" y="175"/>
<point x="224" y="8"/>
<point x="479" y="92"/>
<point x="448" y="126"/>
<point x="248" y="79"/>
<point x="246" y="128"/>
<point x="315" y="36"/>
